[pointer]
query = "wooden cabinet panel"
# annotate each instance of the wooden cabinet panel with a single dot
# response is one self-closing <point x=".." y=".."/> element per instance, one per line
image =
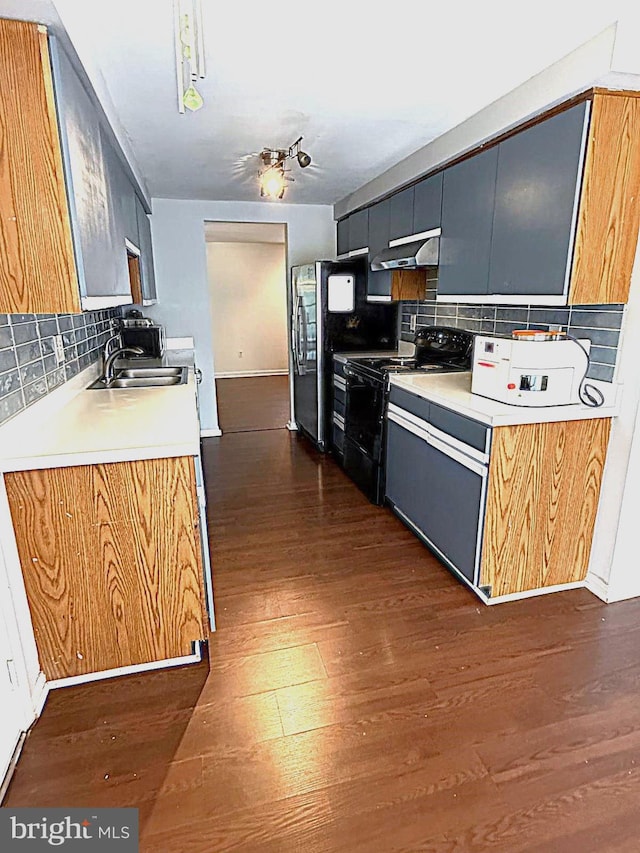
<point x="408" y="284"/>
<point x="609" y="216"/>
<point x="111" y="562"/>
<point x="37" y="264"/>
<point x="542" y="498"/>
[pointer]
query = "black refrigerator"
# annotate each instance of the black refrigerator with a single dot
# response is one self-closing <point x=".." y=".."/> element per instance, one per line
<point x="329" y="312"/>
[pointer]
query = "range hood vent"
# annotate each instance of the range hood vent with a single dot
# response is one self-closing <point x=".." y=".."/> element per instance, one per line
<point x="409" y="256"/>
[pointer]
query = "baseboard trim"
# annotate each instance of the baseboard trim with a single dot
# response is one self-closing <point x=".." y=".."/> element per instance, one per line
<point x="72" y="680"/>
<point x="210" y="433"/>
<point x="248" y="373"/>
<point x="598" y="587"/>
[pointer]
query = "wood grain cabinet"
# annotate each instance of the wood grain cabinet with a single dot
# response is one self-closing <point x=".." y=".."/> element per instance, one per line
<point x="511" y="509"/>
<point x="66" y="199"/>
<point x="112" y="562"/>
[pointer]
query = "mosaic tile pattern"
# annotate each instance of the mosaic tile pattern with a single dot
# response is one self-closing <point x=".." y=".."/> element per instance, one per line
<point x="601" y="324"/>
<point x="28" y="364"/>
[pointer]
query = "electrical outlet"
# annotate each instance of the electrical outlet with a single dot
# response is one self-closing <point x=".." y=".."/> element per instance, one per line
<point x="413" y="320"/>
<point x="240" y="354"/>
<point x="58" y="346"/>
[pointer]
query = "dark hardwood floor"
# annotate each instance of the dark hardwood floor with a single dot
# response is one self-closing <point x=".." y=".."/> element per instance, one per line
<point x="358" y="698"/>
<point x="253" y="403"/>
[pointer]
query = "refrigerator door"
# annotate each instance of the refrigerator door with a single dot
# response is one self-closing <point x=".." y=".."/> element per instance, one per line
<point x="304" y="344"/>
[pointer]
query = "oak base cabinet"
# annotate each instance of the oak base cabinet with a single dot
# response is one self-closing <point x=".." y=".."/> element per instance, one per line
<point x="112" y="564"/>
<point x="512" y="509"/>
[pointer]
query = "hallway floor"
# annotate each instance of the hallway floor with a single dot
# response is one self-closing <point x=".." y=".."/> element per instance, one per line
<point x="358" y="698"/>
<point x="251" y="403"/>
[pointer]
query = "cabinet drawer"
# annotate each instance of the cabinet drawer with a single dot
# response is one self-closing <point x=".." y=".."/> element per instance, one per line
<point x="338" y="437"/>
<point x="339" y="405"/>
<point x="459" y="426"/>
<point x="410" y="402"/>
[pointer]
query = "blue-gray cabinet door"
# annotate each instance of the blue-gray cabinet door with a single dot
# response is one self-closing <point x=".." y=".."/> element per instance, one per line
<point x="427" y="204"/>
<point x="378" y="282"/>
<point x="468" y="197"/>
<point x="358" y="230"/>
<point x="123" y="194"/>
<point x="147" y="269"/>
<point x="401" y="214"/>
<point x="537" y="188"/>
<point x="88" y="189"/>
<point x="441" y="497"/>
<point x="343" y="236"/>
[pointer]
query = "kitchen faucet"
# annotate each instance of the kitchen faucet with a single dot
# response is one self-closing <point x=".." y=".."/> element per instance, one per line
<point x="109" y="362"/>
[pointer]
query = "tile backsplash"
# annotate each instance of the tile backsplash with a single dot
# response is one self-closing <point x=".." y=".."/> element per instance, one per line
<point x="601" y="324"/>
<point x="28" y="365"/>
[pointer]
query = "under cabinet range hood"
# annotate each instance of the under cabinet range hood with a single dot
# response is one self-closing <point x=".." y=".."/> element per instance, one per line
<point x="413" y="255"/>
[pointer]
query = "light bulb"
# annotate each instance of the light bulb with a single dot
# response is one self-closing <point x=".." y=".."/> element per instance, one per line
<point x="273" y="183"/>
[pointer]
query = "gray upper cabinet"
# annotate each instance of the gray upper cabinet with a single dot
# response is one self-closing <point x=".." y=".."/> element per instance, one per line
<point x="468" y="198"/>
<point x="378" y="282"/>
<point x="427" y="204"/>
<point x="147" y="272"/>
<point x="343" y="236"/>
<point x="358" y="230"/>
<point x="123" y="194"/>
<point x="401" y="214"/>
<point x="88" y="191"/>
<point x="537" y="187"/>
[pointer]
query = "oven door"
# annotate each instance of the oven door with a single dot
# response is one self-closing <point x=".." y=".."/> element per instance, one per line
<point x="364" y="413"/>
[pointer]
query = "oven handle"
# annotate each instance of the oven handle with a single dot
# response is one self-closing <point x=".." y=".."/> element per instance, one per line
<point x="425" y="434"/>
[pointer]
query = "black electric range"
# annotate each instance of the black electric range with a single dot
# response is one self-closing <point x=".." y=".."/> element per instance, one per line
<point x="438" y="349"/>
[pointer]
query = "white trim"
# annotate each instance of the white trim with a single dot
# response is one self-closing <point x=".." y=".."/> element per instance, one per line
<point x="196" y="657"/>
<point x="6" y="779"/>
<point x="292" y="426"/>
<point x="178" y="343"/>
<point x="356" y="253"/>
<point x="343" y="257"/>
<point x="531" y="593"/>
<point x="375" y="298"/>
<point x="412" y="238"/>
<point x="149" y="302"/>
<point x="247" y="373"/>
<point x="598" y="587"/>
<point x="94" y="303"/>
<point x="210" y="433"/>
<point x="501" y="299"/>
<point x="132" y="248"/>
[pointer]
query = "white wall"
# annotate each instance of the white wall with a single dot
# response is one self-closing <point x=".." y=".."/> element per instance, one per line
<point x="180" y="256"/>
<point x="248" y="291"/>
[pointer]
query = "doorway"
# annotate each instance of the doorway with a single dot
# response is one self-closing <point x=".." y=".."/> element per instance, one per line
<point x="247" y="273"/>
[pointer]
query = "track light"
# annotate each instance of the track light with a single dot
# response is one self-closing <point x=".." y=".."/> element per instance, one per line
<point x="274" y="177"/>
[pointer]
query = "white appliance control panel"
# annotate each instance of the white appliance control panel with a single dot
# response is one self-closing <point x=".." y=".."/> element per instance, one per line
<point x="528" y="373"/>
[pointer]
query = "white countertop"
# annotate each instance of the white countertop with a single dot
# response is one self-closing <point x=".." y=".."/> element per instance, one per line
<point x="453" y="390"/>
<point x="75" y="425"/>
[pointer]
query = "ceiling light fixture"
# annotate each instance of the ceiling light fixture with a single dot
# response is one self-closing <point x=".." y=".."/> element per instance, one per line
<point x="189" y="46"/>
<point x="274" y="177"/>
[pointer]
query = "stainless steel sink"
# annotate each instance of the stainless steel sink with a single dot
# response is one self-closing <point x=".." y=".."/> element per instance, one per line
<point x="135" y="372"/>
<point x="144" y="377"/>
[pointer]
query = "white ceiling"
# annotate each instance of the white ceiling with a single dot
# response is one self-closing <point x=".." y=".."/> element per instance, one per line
<point x="364" y="84"/>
